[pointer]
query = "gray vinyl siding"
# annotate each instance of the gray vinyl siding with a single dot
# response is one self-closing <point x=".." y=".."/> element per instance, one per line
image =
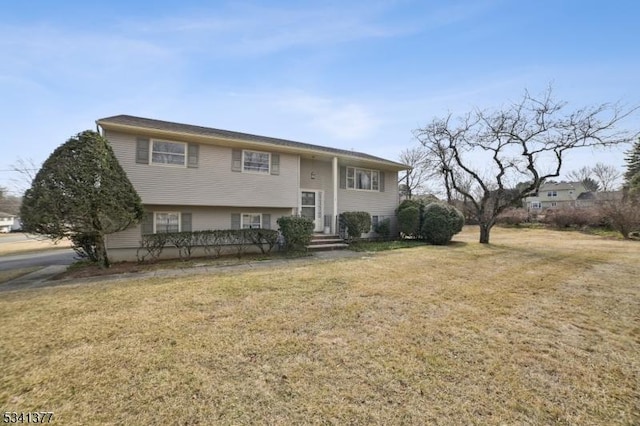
<point x="323" y="180"/>
<point x="211" y="183"/>
<point x="202" y="218"/>
<point x="382" y="204"/>
<point x="376" y="203"/>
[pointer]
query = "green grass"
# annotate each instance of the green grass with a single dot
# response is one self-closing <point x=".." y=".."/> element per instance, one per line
<point x="538" y="327"/>
<point x="375" y="246"/>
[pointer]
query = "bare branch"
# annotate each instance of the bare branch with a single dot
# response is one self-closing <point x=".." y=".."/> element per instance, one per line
<point x="526" y="140"/>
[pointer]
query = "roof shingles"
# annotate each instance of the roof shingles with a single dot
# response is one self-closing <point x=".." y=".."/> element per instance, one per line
<point x="152" y="124"/>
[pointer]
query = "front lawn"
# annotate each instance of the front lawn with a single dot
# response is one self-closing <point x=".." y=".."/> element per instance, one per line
<point x="539" y="327"/>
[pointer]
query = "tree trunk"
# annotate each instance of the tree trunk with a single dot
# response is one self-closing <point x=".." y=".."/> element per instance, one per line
<point x="101" y="252"/>
<point x="485" y="230"/>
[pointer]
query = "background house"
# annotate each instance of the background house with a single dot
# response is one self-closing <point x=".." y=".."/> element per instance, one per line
<point x="6" y="222"/>
<point x="197" y="178"/>
<point x="592" y="199"/>
<point x="555" y="195"/>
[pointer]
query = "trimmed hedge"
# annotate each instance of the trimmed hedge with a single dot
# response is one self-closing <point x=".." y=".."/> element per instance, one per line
<point x="296" y="231"/>
<point x="383" y="229"/>
<point x="356" y="223"/>
<point x="212" y="241"/>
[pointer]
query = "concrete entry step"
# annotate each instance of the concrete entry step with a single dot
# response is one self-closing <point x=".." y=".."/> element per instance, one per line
<point x="327" y="241"/>
<point x="326" y="247"/>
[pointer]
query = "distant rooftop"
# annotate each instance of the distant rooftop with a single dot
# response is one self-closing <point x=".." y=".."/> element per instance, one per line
<point x="167" y="126"/>
<point x="560" y="185"/>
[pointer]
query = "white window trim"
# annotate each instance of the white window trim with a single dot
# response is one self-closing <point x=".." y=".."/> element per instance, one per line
<point x="255" y="172"/>
<point x="536" y="205"/>
<point x="186" y="153"/>
<point x="552" y="193"/>
<point x="251" y="214"/>
<point x="155" y="231"/>
<point x="354" y="179"/>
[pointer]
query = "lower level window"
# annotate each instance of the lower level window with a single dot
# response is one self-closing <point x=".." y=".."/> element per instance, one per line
<point x="535" y="205"/>
<point x="167" y="222"/>
<point x="251" y="220"/>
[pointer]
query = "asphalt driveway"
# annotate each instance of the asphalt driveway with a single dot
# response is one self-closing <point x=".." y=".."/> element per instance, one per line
<point x="40" y="258"/>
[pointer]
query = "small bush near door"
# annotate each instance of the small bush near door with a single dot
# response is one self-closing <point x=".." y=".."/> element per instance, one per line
<point x="297" y="232"/>
<point x="383" y="229"/>
<point x="356" y="223"/>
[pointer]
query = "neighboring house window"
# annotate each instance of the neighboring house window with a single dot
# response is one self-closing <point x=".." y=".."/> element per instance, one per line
<point x="166" y="222"/>
<point x="554" y="204"/>
<point x="552" y="194"/>
<point x="374" y="222"/>
<point x="251" y="220"/>
<point x="256" y="161"/>
<point x="169" y="153"/>
<point x="363" y="179"/>
<point x="536" y="205"/>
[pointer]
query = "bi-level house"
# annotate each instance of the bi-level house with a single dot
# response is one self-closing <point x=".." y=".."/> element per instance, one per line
<point x="553" y="195"/>
<point x="196" y="178"/>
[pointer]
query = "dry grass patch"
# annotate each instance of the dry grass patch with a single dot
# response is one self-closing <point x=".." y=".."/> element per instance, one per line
<point x="31" y="245"/>
<point x="537" y="328"/>
<point x="11" y="274"/>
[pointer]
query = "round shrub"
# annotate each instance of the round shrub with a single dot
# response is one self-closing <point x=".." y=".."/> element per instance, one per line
<point x="383" y="229"/>
<point x="456" y="219"/>
<point x="356" y="223"/>
<point x="297" y="232"/>
<point x="409" y="220"/>
<point x="405" y="204"/>
<point x="441" y="222"/>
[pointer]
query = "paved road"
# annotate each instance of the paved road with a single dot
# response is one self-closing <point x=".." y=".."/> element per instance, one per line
<point x="42" y="258"/>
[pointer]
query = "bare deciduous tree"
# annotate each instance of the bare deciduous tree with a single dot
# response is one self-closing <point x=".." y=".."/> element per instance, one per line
<point x="526" y="141"/>
<point x="599" y="177"/>
<point x="26" y="170"/>
<point x="606" y="175"/>
<point x="414" y="181"/>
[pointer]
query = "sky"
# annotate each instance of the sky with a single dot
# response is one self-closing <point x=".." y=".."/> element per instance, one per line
<point x="358" y="75"/>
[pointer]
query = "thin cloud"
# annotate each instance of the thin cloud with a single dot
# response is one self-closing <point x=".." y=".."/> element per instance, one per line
<point x="255" y="30"/>
<point x="341" y="120"/>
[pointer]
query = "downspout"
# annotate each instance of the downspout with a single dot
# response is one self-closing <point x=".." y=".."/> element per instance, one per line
<point x="298" y="209"/>
<point x="334" y="223"/>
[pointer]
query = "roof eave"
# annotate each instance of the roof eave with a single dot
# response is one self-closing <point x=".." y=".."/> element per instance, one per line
<point x="234" y="141"/>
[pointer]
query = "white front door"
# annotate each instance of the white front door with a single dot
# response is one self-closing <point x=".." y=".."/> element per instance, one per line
<point x="311" y="206"/>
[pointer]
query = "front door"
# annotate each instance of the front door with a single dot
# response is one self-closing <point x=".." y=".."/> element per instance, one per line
<point x="311" y="207"/>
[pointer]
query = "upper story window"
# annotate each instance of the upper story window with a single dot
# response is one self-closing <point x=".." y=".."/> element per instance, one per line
<point x="251" y="221"/>
<point x="256" y="162"/>
<point x="552" y="194"/>
<point x="363" y="179"/>
<point x="166" y="222"/>
<point x="169" y="153"/>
